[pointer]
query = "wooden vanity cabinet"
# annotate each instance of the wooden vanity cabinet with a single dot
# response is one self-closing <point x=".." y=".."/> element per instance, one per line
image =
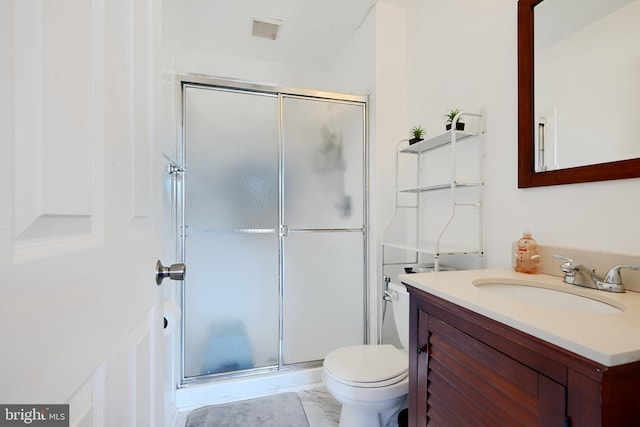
<point x="469" y="370"/>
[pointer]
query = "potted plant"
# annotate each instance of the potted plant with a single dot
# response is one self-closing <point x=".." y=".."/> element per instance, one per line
<point x="450" y="115"/>
<point x="417" y="134"/>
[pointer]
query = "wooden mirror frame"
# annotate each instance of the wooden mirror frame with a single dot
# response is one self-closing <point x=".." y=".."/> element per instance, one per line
<point x="527" y="177"/>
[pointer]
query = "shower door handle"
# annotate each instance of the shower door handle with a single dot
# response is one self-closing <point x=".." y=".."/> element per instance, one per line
<point x="173" y="272"/>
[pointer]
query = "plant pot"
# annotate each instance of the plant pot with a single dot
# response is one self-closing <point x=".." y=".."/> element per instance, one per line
<point x="459" y="126"/>
<point x="414" y="140"/>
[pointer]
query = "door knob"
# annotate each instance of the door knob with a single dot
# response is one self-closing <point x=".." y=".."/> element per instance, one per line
<point x="173" y="272"/>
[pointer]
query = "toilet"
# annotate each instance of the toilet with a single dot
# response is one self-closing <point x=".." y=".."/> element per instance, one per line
<point x="371" y="381"/>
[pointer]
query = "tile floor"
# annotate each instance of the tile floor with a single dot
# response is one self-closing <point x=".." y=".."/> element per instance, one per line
<point x="321" y="408"/>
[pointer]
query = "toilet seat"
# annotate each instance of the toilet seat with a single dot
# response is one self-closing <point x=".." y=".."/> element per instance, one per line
<point x="368" y="366"/>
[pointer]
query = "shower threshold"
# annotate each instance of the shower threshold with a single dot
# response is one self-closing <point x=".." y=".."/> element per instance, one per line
<point x="247" y="387"/>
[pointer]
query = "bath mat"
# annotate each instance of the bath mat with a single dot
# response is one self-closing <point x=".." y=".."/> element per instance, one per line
<point x="279" y="410"/>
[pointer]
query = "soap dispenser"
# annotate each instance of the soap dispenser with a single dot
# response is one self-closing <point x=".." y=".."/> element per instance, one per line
<point x="527" y="258"/>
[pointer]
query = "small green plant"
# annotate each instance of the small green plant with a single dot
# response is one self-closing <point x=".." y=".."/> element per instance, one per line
<point x="417" y="131"/>
<point x="451" y="114"/>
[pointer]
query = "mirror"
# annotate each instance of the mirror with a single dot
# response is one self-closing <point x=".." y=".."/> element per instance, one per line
<point x="574" y="95"/>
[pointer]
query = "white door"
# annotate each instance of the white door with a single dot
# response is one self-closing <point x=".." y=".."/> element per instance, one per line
<point x="80" y="313"/>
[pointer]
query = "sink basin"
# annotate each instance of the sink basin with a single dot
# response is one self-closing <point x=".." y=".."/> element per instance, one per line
<point x="550" y="295"/>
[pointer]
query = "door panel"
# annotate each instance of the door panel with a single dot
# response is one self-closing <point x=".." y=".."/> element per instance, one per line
<point x="231" y="297"/>
<point x="231" y="303"/>
<point x="323" y="294"/>
<point x="231" y="154"/>
<point x="323" y="164"/>
<point x="323" y="181"/>
<point x="45" y="112"/>
<point x="78" y="303"/>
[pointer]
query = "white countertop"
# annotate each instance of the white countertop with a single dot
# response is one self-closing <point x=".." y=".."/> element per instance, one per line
<point x="607" y="338"/>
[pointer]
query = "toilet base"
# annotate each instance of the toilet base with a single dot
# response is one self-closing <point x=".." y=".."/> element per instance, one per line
<point x="353" y="415"/>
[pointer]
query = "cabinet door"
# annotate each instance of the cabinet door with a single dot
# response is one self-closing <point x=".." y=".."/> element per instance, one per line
<point x="468" y="383"/>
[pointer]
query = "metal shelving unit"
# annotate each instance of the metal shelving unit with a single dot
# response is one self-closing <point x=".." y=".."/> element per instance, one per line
<point x="438" y="246"/>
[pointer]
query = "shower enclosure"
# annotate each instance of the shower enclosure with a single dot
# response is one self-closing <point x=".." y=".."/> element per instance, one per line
<point x="272" y="226"/>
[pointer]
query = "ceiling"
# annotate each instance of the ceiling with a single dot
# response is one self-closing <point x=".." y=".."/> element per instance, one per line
<point x="312" y="31"/>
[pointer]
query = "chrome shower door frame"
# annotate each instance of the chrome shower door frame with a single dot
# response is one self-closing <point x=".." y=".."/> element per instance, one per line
<point x="190" y="80"/>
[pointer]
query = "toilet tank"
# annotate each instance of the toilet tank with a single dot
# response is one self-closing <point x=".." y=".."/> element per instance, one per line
<point x="400" y="302"/>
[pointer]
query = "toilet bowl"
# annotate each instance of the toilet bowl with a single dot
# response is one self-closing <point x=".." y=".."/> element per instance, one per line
<point x="371" y="381"/>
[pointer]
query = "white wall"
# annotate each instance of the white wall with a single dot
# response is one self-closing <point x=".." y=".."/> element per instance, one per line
<point x="464" y="53"/>
<point x="388" y="127"/>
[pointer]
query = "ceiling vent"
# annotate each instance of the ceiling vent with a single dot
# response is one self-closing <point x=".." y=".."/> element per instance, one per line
<point x="265" y="28"/>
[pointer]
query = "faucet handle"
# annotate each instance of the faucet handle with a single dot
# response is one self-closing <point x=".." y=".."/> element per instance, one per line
<point x="613" y="275"/>
<point x="558" y="256"/>
<point x="568" y="266"/>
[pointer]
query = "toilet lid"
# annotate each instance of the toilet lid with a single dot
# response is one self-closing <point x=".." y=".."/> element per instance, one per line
<point x="367" y="364"/>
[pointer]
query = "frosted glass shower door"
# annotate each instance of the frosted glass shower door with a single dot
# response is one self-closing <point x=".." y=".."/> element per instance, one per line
<point x="324" y="218"/>
<point x="231" y="289"/>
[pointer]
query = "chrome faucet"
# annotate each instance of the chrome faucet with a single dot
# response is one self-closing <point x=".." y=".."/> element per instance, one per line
<point x="573" y="270"/>
<point x="579" y="275"/>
